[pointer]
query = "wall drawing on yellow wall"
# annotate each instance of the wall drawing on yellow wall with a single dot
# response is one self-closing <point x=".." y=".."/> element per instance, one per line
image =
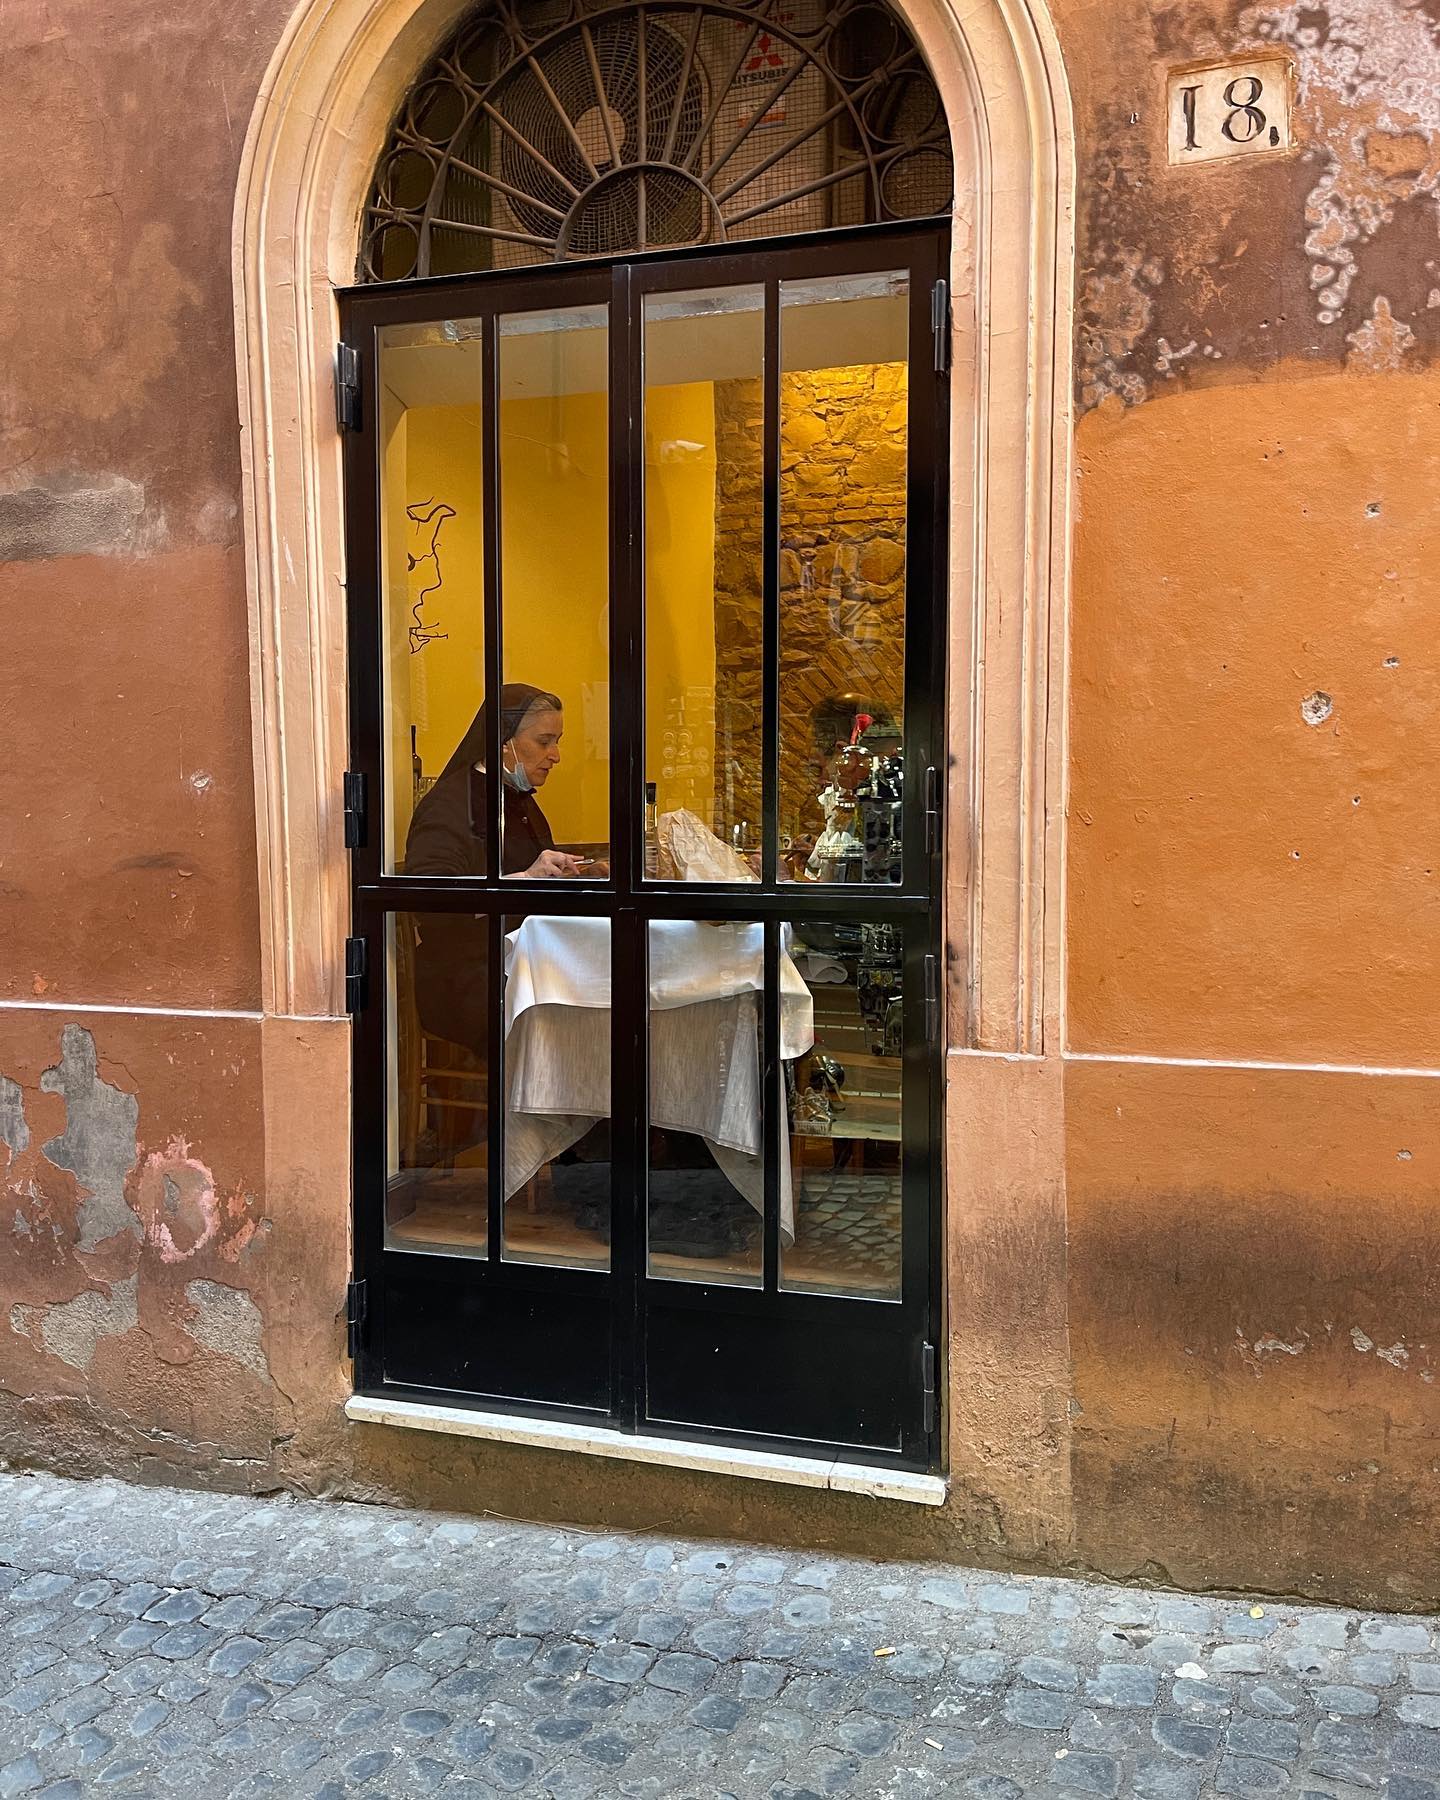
<point x="427" y="520"/>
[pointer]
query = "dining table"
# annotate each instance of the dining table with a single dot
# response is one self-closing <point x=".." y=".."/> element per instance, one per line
<point x="706" y="981"/>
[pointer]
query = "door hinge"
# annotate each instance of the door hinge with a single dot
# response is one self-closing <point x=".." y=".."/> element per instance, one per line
<point x="357" y="964"/>
<point x="932" y="997"/>
<point x="354" y="792"/>
<point x="347" y="387"/>
<point x="927" y="1383"/>
<point x="355" y="1308"/>
<point x="932" y="810"/>
<point x="940" y="324"/>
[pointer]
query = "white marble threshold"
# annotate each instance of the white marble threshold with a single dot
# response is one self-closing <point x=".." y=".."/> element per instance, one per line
<point x="677" y="1453"/>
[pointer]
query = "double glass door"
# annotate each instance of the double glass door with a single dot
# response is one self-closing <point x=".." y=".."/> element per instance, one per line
<point x="645" y="652"/>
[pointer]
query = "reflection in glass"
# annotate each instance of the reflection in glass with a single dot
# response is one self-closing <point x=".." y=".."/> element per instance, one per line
<point x="704" y="510"/>
<point x="843" y="438"/>
<point x="844" y="1113"/>
<point x="557" y="1091"/>
<point x="431" y="562"/>
<point x="555" y="570"/>
<point x="437" y="1191"/>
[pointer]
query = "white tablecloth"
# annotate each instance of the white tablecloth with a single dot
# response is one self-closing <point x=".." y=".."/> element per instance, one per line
<point x="705" y="988"/>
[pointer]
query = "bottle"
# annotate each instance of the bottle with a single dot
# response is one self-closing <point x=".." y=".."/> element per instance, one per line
<point x="652" y="833"/>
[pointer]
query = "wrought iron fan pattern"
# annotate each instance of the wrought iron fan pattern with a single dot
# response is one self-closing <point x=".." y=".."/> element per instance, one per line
<point x="560" y="129"/>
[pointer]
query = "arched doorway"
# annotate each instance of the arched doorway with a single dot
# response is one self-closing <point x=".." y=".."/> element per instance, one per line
<point x="326" y="107"/>
<point x="648" y="1073"/>
<point x="549" y="131"/>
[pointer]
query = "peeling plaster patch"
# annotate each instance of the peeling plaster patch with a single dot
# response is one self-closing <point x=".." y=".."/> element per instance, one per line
<point x="98" y="1145"/>
<point x="22" y="1226"/>
<point x="1397" y="1356"/>
<point x="14" y="1132"/>
<point x="180" y="1212"/>
<point x="216" y="518"/>
<point x="1316" y="708"/>
<point x="1360" y="1341"/>
<point x="1114" y="315"/>
<point x="73" y="520"/>
<point x="228" y="1322"/>
<point x="1397" y="152"/>
<point x="202" y="781"/>
<point x="1166" y="357"/>
<point x="1252" y="1355"/>
<point x="1380" y="343"/>
<point x="1368" y="101"/>
<point x="72" y="1329"/>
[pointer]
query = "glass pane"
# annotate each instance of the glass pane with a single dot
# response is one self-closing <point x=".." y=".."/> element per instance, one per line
<point x="555" y="593"/>
<point x="706" y="1178"/>
<point x="843" y="434"/>
<point x="844" y="1109"/>
<point x="437" y="1193"/>
<point x="432" y="597"/>
<point x="704" y="510"/>
<point x="557" y="1091"/>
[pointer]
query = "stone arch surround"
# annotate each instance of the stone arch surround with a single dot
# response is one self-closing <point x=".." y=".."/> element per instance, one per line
<point x="319" y="123"/>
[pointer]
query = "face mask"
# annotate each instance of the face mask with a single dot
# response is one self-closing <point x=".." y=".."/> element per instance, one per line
<point x="519" y="776"/>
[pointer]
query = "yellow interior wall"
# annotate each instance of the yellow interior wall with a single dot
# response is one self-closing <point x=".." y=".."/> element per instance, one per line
<point x="398" y="702"/>
<point x="680" y="505"/>
<point x="555" y="550"/>
<point x="447" y="677"/>
<point x="554" y="475"/>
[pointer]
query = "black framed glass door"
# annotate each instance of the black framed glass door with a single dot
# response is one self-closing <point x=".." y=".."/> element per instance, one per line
<point x="646" y="613"/>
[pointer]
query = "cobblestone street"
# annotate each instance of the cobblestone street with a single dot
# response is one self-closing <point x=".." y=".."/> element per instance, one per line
<point x="156" y="1642"/>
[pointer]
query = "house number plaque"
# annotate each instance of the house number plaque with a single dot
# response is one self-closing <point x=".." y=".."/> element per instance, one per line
<point x="1229" y="109"/>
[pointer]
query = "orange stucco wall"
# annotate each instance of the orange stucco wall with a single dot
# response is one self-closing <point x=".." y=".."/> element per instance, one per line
<point x="1193" y="1307"/>
<point x="1243" y="882"/>
<point x="1253" y="1311"/>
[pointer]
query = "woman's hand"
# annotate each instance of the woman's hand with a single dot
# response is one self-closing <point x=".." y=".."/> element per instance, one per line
<point x="551" y="865"/>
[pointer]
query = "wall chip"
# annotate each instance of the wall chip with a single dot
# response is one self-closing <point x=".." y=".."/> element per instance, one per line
<point x="1316" y="708"/>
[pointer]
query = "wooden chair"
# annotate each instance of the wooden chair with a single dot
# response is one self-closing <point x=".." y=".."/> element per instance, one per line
<point x="441" y="1085"/>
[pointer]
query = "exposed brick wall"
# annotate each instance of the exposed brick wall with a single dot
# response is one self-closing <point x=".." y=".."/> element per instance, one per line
<point x="842" y="569"/>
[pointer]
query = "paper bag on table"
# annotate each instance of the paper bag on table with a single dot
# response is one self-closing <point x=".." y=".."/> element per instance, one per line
<point x="690" y="851"/>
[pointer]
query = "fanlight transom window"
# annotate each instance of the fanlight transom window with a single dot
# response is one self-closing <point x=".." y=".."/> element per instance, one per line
<point x="557" y="130"/>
